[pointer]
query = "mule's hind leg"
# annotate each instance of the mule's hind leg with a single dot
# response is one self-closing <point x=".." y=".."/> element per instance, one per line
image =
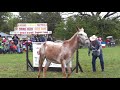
<point x="63" y="68"/>
<point x="40" y="66"/>
<point x="45" y="68"/>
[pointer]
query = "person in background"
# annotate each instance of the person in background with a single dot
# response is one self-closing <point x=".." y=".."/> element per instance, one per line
<point x="49" y="38"/>
<point x="32" y="38"/>
<point x="35" y="38"/>
<point x="100" y="39"/>
<point x="4" y="40"/>
<point x="14" y="48"/>
<point x="15" y="39"/>
<point x="1" y="46"/>
<point x="96" y="49"/>
<point x="24" y="45"/>
<point x="19" y="47"/>
<point x="6" y="46"/>
<point x="41" y="38"/>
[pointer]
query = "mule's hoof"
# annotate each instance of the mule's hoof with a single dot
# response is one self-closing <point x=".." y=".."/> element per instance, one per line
<point x="38" y="76"/>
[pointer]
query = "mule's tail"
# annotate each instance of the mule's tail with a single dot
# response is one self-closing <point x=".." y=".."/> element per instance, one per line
<point x="41" y="53"/>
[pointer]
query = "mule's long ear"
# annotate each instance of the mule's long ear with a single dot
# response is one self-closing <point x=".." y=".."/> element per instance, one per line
<point x="77" y="28"/>
<point x="82" y="29"/>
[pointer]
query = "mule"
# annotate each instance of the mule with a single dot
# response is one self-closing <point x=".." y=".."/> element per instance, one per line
<point x="61" y="53"/>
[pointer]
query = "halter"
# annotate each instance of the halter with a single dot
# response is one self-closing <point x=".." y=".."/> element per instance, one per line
<point x="81" y="39"/>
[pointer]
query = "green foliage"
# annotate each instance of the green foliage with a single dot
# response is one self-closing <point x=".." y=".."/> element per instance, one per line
<point x="89" y="24"/>
<point x="13" y="23"/>
<point x="93" y="24"/>
<point x="3" y="20"/>
<point x="51" y="18"/>
<point x="60" y="31"/>
<point x="30" y="17"/>
<point x="70" y="27"/>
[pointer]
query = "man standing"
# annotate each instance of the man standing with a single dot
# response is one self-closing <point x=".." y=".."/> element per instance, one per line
<point x="15" y="39"/>
<point x="96" y="49"/>
<point x="49" y="38"/>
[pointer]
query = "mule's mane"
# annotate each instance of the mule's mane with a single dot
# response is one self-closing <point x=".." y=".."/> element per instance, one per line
<point x="72" y="39"/>
<point x="72" y="43"/>
<point x="74" y="36"/>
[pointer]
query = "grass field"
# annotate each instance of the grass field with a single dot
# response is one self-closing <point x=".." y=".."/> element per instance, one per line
<point x="14" y="65"/>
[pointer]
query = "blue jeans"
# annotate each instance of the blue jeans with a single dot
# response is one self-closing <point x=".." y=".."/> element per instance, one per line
<point x="94" y="62"/>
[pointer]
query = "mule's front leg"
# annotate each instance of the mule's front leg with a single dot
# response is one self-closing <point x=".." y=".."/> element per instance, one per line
<point x="63" y="68"/>
<point x="69" y="69"/>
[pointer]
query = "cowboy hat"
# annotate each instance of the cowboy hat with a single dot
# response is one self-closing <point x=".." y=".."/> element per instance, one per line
<point x="92" y="38"/>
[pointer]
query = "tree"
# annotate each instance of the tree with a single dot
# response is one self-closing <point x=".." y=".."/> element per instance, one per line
<point x="70" y="27"/>
<point x="29" y="17"/>
<point x="60" y="31"/>
<point x="51" y="18"/>
<point x="88" y="23"/>
<point x="24" y="16"/>
<point x="12" y="22"/>
<point x="104" y="24"/>
<point x="65" y="30"/>
<point x="3" y="19"/>
<point x="98" y="14"/>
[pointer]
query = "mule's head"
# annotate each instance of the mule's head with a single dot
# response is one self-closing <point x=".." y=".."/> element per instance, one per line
<point x="83" y="38"/>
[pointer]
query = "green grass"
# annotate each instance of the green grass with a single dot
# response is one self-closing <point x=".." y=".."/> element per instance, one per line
<point x="14" y="65"/>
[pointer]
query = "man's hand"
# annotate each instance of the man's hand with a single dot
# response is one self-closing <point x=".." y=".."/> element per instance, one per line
<point x="98" y="50"/>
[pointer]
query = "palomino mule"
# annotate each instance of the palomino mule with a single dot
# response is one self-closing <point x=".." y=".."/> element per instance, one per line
<point x="61" y="53"/>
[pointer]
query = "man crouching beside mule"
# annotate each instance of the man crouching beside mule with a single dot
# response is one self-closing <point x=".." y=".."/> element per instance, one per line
<point x="61" y="53"/>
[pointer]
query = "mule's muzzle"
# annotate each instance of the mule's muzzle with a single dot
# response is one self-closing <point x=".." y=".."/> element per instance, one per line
<point x="87" y="42"/>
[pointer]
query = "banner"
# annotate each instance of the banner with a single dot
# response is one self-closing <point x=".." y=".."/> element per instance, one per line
<point x="31" y="28"/>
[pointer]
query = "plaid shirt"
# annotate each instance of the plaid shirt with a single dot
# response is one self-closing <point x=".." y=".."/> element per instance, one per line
<point x="95" y="45"/>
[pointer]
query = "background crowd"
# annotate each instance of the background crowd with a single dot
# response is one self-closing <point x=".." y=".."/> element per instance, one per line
<point x="15" y="45"/>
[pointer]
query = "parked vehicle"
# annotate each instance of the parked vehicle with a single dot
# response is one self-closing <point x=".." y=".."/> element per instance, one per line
<point x="110" y="41"/>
